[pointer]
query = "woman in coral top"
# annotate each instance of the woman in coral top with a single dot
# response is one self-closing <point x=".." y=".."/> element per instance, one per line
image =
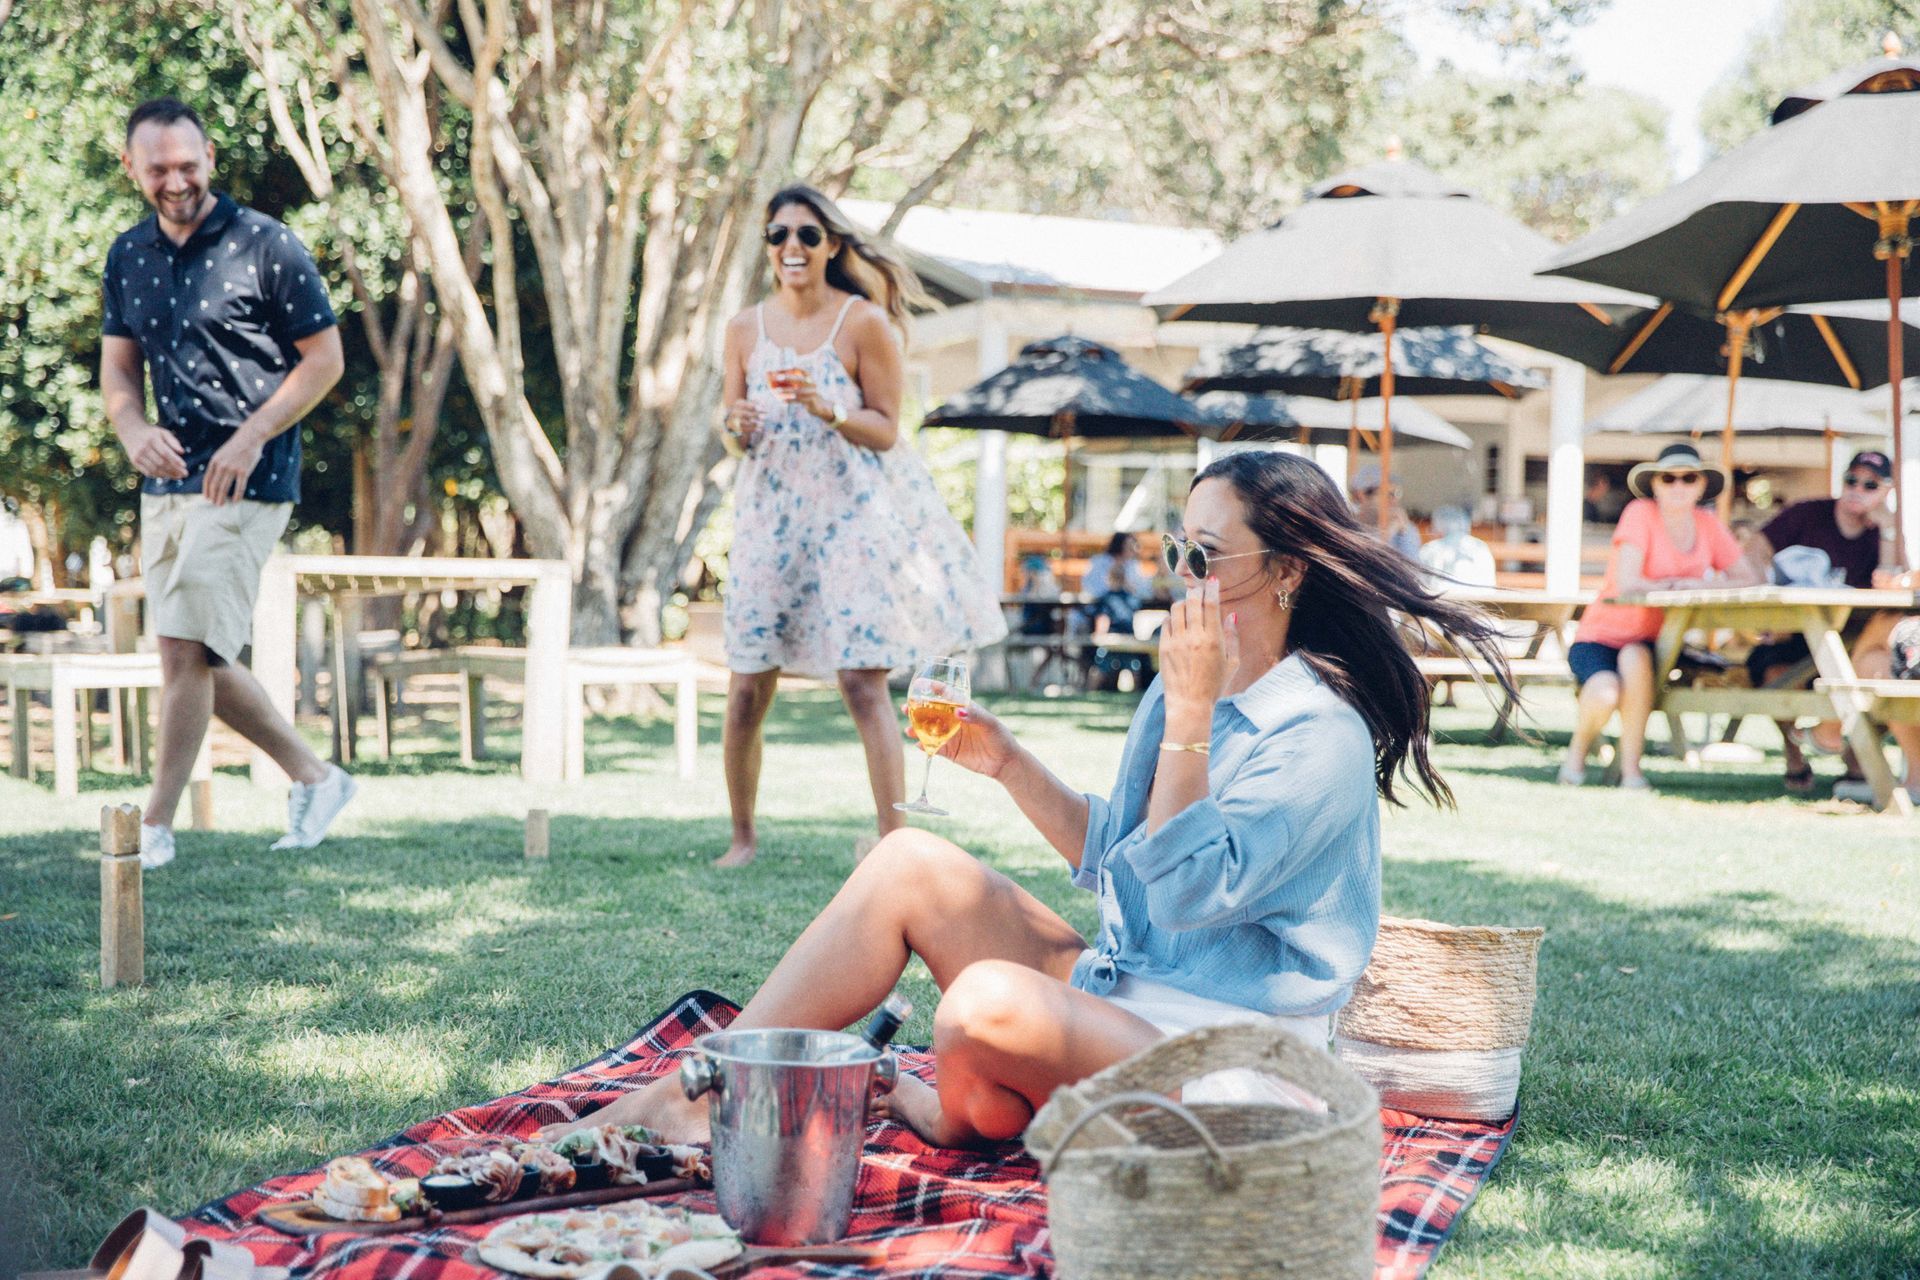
<point x="1666" y="540"/>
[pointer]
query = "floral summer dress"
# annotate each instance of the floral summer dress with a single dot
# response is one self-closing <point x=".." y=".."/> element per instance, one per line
<point x="843" y="557"/>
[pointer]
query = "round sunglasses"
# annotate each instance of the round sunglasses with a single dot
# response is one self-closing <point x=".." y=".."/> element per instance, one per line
<point x="1677" y="477"/>
<point x="810" y="235"/>
<point x="1178" y="551"/>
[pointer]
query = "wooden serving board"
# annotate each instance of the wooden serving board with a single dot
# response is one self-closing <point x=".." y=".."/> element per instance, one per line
<point x="304" y="1218"/>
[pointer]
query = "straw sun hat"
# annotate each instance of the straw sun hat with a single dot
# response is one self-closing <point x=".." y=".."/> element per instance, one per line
<point x="1675" y="457"/>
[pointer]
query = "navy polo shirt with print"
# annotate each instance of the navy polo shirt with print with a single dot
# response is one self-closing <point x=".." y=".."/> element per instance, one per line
<point x="216" y="319"/>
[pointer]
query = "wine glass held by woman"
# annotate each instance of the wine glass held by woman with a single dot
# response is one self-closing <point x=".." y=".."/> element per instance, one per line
<point x="845" y="562"/>
<point x="1236" y="861"/>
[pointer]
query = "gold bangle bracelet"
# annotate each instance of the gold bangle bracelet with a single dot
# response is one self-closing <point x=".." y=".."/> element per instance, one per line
<point x="1200" y="748"/>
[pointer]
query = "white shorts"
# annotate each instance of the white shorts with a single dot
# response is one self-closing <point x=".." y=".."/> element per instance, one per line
<point x="202" y="565"/>
<point x="1175" y="1012"/>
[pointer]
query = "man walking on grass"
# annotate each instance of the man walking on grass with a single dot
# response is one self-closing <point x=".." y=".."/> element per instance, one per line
<point x="224" y="307"/>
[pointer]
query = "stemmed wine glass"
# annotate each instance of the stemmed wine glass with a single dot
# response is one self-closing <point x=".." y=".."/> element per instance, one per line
<point x="939" y="689"/>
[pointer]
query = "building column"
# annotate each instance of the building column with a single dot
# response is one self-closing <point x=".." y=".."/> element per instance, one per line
<point x="1566" y="461"/>
<point x="990" y="479"/>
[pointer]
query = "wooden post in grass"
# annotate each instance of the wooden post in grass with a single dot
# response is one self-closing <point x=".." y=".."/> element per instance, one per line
<point x="537" y="833"/>
<point x="123" y="951"/>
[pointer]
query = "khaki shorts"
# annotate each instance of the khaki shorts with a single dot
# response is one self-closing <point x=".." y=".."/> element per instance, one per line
<point x="202" y="564"/>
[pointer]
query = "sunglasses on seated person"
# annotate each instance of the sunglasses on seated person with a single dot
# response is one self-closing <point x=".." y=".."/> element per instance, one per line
<point x="1177" y="551"/>
<point x="1678" y="477"/>
<point x="1872" y="484"/>
<point x="810" y="235"/>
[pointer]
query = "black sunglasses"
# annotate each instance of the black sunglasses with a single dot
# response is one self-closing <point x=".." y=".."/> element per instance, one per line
<point x="1677" y="477"/>
<point x="1869" y="483"/>
<point x="810" y="235"/>
<point x="1176" y="551"/>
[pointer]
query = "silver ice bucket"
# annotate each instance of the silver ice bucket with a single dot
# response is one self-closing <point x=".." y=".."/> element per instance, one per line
<point x="789" y="1113"/>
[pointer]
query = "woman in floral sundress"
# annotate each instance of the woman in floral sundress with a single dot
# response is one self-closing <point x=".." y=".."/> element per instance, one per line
<point x="845" y="562"/>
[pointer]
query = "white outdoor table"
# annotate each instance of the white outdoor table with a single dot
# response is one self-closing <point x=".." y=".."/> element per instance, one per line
<point x="549" y="620"/>
<point x="1818" y="614"/>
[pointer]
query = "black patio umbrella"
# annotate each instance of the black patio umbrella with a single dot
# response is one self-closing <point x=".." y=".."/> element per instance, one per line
<point x="1817" y="208"/>
<point x="1246" y="416"/>
<point x="1394" y="244"/>
<point x="1068" y="388"/>
<point x="1338" y="365"/>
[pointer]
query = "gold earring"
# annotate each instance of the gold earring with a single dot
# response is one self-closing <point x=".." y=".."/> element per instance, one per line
<point x="1283" y="598"/>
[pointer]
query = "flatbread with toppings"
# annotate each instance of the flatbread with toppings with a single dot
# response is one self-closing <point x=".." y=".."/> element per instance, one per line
<point x="582" y="1242"/>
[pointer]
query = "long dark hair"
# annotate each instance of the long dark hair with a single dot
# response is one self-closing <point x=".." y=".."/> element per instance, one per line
<point x="1343" y="623"/>
<point x="860" y="267"/>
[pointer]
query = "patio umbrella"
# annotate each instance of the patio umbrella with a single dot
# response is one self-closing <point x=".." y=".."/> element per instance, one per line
<point x="1339" y="365"/>
<point x="1069" y="388"/>
<point x="1817" y="208"/>
<point x="1241" y="416"/>
<point x="1838" y="344"/>
<point x="1394" y="244"/>
<point x="1328" y="362"/>
<point x="1681" y="403"/>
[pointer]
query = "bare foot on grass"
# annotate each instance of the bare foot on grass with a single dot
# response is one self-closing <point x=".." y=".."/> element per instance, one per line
<point x="738" y="854"/>
<point x="661" y="1106"/>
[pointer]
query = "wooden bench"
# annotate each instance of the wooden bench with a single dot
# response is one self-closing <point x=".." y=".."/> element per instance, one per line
<point x="1881" y="701"/>
<point x="66" y="679"/>
<point x="584" y="668"/>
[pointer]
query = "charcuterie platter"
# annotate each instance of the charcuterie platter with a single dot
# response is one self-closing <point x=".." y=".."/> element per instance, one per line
<point x="488" y="1180"/>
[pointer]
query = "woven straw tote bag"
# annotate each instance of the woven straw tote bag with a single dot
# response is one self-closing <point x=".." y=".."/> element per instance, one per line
<point x="1140" y="1186"/>
<point x="1438" y="1021"/>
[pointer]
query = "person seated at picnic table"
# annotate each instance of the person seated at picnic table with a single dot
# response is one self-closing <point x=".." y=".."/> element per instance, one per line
<point x="1368" y="495"/>
<point x="1113" y="613"/>
<point x="1456" y="554"/>
<point x="1236" y="864"/>
<point x="1848" y="541"/>
<point x="1122" y="552"/>
<point x="1666" y="540"/>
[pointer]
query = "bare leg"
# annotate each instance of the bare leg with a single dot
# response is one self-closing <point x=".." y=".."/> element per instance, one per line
<point x="1598" y="698"/>
<point x="244" y="707"/>
<point x="749" y="698"/>
<point x="871" y="706"/>
<point x="186" y="704"/>
<point x="916" y="894"/>
<point x="1007" y="1036"/>
<point x="1636" y="704"/>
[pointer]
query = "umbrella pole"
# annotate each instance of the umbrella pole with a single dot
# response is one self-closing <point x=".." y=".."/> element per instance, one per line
<point x="1826" y="434"/>
<point x="1894" y="246"/>
<point x="1736" y="353"/>
<point x="1063" y="427"/>
<point x="1384" y="314"/>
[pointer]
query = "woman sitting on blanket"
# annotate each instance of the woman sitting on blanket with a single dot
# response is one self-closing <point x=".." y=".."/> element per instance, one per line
<point x="1237" y="863"/>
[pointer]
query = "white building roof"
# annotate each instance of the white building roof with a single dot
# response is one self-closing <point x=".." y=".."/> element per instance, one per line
<point x="1036" y="251"/>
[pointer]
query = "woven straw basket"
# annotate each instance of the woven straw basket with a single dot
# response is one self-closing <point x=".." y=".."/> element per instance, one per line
<point x="1141" y="1186"/>
<point x="1438" y="1020"/>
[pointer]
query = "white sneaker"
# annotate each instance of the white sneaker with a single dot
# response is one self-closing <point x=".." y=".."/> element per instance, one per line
<point x="312" y="807"/>
<point x="156" y="846"/>
<point x="1572" y="777"/>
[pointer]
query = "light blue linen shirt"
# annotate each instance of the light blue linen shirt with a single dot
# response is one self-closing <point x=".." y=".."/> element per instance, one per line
<point x="1265" y="894"/>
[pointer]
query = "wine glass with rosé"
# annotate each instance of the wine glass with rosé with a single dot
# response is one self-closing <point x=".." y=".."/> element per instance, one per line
<point x="939" y="690"/>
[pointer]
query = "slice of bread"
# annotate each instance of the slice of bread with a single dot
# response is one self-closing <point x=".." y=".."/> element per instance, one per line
<point x="355" y="1212"/>
<point x="354" y="1182"/>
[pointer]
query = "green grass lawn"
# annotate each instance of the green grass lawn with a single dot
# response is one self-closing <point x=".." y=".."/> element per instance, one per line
<point x="1724" y="1078"/>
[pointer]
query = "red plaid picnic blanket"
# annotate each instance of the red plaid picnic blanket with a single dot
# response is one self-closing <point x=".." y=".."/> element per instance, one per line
<point x="949" y="1214"/>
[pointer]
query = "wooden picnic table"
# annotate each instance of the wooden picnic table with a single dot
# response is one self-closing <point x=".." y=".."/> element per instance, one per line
<point x="1816" y="613"/>
<point x="1543" y="616"/>
<point x="543" y="738"/>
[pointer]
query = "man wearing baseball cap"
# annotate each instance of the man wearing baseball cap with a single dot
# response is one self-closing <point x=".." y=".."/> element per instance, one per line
<point x="1859" y="536"/>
